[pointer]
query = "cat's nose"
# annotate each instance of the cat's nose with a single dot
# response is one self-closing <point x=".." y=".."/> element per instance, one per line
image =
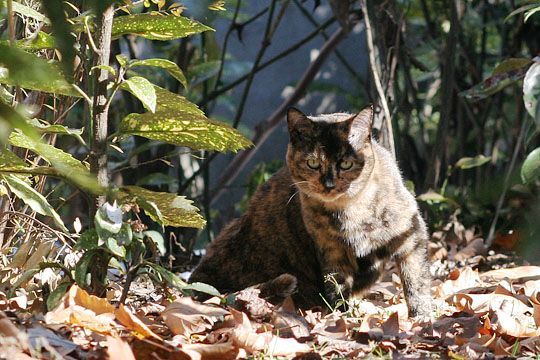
<point x="329" y="183"/>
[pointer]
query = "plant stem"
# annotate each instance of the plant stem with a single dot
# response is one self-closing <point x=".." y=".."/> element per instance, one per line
<point x="377" y="78"/>
<point x="98" y="146"/>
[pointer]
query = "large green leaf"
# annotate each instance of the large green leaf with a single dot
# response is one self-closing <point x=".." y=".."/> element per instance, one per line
<point x="46" y="128"/>
<point x="202" y="72"/>
<point x="531" y="91"/>
<point x="165" y="208"/>
<point x="506" y="73"/>
<point x="20" y="68"/>
<point x="12" y="164"/>
<point x="530" y="170"/>
<point x="28" y="12"/>
<point x="165" y="64"/>
<point x="64" y="40"/>
<point x="34" y="199"/>
<point x="69" y="167"/>
<point x="156" y="26"/>
<point x="177" y="121"/>
<point x="39" y="41"/>
<point x="143" y="90"/>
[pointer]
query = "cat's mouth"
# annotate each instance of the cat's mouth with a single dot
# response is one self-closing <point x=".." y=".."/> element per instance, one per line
<point x="326" y="196"/>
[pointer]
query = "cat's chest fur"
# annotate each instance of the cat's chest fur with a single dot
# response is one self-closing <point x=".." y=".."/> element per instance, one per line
<point x="364" y="227"/>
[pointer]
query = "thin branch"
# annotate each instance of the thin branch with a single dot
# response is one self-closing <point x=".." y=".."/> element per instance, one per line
<point x="265" y="128"/>
<point x="377" y="78"/>
<point x="265" y="43"/>
<point x="214" y="94"/>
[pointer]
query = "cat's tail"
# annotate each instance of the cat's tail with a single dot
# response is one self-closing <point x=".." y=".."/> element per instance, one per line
<point x="279" y="288"/>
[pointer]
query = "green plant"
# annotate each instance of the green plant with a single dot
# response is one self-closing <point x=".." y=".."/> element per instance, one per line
<point x="82" y="80"/>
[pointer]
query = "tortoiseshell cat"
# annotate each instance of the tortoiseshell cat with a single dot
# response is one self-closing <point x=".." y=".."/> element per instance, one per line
<point x="339" y="208"/>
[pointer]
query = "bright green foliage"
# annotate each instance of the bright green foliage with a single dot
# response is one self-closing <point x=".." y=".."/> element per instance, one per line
<point x="165" y="208"/>
<point x="40" y="41"/>
<point x="177" y="121"/>
<point x="46" y="128"/>
<point x="506" y="73"/>
<point x="530" y="170"/>
<point x="165" y="64"/>
<point x="143" y="90"/>
<point x="531" y="91"/>
<point x="20" y="68"/>
<point x="69" y="167"/>
<point x="32" y="198"/>
<point x="28" y="12"/>
<point x="472" y="162"/>
<point x="156" y="26"/>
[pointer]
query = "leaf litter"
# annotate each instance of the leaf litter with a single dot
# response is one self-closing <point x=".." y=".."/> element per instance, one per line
<point x="486" y="305"/>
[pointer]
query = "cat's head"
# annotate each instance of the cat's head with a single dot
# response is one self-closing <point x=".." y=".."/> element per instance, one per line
<point x="330" y="156"/>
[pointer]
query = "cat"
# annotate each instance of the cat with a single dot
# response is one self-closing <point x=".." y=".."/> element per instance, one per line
<point x="330" y="219"/>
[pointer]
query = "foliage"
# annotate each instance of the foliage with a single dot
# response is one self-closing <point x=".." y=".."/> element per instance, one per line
<point x="51" y="85"/>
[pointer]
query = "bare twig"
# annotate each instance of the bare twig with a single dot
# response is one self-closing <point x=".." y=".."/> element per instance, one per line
<point x="511" y="166"/>
<point x="377" y="77"/>
<point x="265" y="128"/>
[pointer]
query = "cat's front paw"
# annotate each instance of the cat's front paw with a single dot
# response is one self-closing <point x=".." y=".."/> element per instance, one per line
<point x="421" y="307"/>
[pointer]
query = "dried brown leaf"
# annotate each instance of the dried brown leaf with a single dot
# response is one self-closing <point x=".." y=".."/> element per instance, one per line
<point x="221" y="351"/>
<point x="186" y="317"/>
<point x="513" y="273"/>
<point x="119" y="349"/>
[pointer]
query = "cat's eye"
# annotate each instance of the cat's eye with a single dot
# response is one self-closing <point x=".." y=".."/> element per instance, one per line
<point x="314" y="163"/>
<point x="345" y="164"/>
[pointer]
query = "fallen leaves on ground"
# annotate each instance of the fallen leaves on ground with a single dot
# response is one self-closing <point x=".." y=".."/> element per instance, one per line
<point x="477" y="315"/>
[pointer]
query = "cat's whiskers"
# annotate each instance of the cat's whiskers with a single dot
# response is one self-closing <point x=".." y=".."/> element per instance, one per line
<point x="296" y="192"/>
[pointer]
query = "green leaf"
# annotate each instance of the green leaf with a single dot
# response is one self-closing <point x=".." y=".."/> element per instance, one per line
<point x="472" y="162"/>
<point x="531" y="91"/>
<point x="34" y="199"/>
<point x="66" y="165"/>
<point x="39" y="41"/>
<point x="46" y="128"/>
<point x="173" y="210"/>
<point x="506" y="73"/>
<point x="434" y="197"/>
<point x="156" y="26"/>
<point x="202" y="287"/>
<point x="179" y="122"/>
<point x="525" y="8"/>
<point x="530" y="170"/>
<point x="81" y="269"/>
<point x="29" y="12"/>
<point x="64" y="40"/>
<point x="157" y="239"/>
<point x="169" y="277"/>
<point x="143" y="90"/>
<point x="105" y="68"/>
<point x="167" y="65"/>
<point x="19" y="68"/>
<point x="88" y="240"/>
<point x="115" y="248"/>
<point x="56" y="295"/>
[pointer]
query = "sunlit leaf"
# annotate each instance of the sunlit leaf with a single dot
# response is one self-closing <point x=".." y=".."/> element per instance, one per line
<point x="530" y="170"/>
<point x="143" y="90"/>
<point x="69" y="167"/>
<point x="472" y="162"/>
<point x="506" y="73"/>
<point x="202" y="287"/>
<point x="156" y="26"/>
<point x="28" y="12"/>
<point x="39" y="41"/>
<point x="165" y="64"/>
<point x="157" y="239"/>
<point x="34" y="199"/>
<point x="531" y="91"/>
<point x="57" y="129"/>
<point x="20" y="68"/>
<point x="177" y="121"/>
<point x="174" y="210"/>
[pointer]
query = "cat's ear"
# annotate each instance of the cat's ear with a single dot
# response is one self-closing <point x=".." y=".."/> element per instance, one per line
<point x="298" y="124"/>
<point x="360" y="127"/>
